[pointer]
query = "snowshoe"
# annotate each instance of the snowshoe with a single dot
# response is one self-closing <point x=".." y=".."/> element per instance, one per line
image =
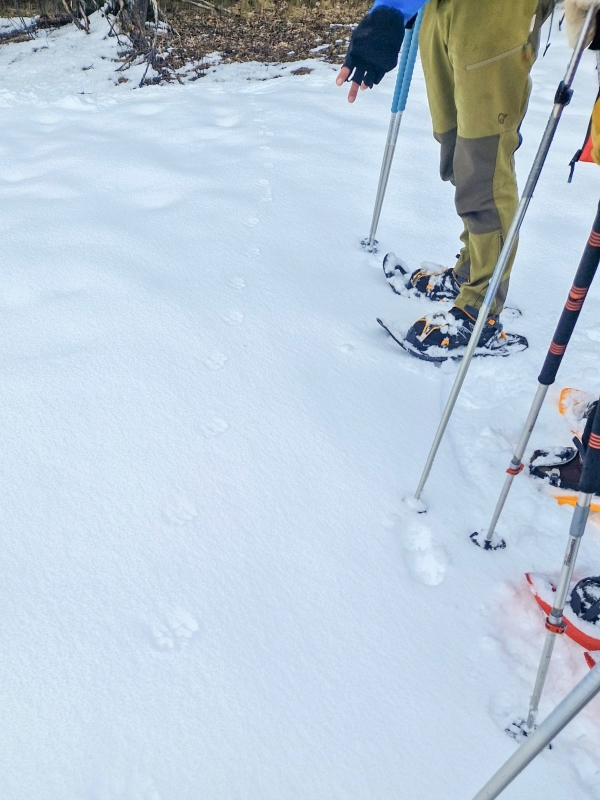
<point x="430" y="281"/>
<point x="576" y="405"/>
<point x="585" y="596"/>
<point x="561" y="467"/>
<point x="445" y="335"/>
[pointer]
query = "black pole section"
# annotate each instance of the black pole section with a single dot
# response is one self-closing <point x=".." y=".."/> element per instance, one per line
<point x="590" y="477"/>
<point x="566" y="324"/>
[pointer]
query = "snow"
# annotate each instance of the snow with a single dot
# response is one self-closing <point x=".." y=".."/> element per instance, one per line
<point x="210" y="585"/>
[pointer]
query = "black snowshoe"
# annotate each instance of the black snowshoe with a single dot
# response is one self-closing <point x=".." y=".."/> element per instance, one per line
<point x="431" y="281"/>
<point x="561" y="467"/>
<point x="445" y="335"/>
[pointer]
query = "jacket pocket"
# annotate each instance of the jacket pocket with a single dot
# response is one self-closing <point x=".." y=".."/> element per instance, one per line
<point x="524" y="47"/>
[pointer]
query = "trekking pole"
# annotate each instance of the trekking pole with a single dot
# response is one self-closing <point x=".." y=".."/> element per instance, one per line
<point x="561" y="99"/>
<point x="408" y="58"/>
<point x="562" y="336"/>
<point x="574" y="702"/>
<point x="588" y="486"/>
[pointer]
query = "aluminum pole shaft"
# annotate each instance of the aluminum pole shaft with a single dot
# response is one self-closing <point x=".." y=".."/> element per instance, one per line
<point x="386" y="166"/>
<point x="562" y="98"/>
<point x="554" y="623"/>
<point x="406" y="67"/>
<point x="516" y="464"/>
<point x="573" y="703"/>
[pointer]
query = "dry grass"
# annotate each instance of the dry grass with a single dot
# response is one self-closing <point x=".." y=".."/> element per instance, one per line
<point x="276" y="33"/>
<point x="247" y="30"/>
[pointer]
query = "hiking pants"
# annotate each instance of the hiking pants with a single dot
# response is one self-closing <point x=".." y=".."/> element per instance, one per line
<point x="476" y="56"/>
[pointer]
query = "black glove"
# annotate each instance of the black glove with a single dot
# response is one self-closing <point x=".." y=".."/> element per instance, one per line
<point x="375" y="45"/>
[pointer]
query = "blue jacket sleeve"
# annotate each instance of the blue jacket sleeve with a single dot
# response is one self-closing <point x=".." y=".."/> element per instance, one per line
<point x="408" y="8"/>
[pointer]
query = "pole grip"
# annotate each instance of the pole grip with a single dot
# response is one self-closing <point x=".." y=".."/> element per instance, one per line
<point x="570" y="314"/>
<point x="408" y="58"/>
<point x="590" y="477"/>
<point x="406" y="45"/>
<point x="410" y="64"/>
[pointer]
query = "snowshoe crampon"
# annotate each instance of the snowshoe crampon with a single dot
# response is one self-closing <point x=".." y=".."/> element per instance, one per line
<point x="584" y="632"/>
<point x="506" y="345"/>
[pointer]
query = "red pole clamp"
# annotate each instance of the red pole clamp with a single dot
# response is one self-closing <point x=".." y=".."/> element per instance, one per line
<point x="512" y="471"/>
<point x="550" y="626"/>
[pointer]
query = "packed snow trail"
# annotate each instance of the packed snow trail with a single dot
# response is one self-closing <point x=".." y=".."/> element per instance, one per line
<point x="210" y="586"/>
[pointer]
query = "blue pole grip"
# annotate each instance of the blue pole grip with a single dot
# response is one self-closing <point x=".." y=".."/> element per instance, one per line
<point x="408" y="57"/>
<point x="406" y="44"/>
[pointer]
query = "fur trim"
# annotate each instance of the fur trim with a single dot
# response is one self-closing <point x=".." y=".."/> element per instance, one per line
<point x="575" y="13"/>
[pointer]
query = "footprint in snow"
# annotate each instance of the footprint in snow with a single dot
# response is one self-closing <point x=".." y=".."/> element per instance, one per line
<point x="175" y="632"/>
<point x="233" y="317"/>
<point x="237" y="283"/>
<point x="215" y="427"/>
<point x="251" y="222"/>
<point x="215" y="362"/>
<point x="426" y="560"/>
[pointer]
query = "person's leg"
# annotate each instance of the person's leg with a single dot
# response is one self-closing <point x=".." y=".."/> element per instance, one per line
<point x="439" y="81"/>
<point x="491" y="55"/>
<point x="462" y="268"/>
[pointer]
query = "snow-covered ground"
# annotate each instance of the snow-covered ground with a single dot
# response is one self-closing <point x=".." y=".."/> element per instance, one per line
<point x="210" y="586"/>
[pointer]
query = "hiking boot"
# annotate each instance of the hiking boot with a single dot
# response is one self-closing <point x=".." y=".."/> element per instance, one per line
<point x="443" y="335"/>
<point x="560" y="466"/>
<point x="424" y="282"/>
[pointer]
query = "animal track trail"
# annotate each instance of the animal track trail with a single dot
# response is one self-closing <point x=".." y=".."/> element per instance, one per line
<point x="233" y="317"/>
<point x="176" y="632"/>
<point x="215" y="362"/>
<point x="214" y="427"/>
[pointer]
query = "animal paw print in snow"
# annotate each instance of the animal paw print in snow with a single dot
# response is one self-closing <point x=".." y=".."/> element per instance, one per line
<point x="214" y="427"/>
<point x="215" y="362"/>
<point x="233" y="317"/>
<point x="176" y="632"/>
<point x="237" y="283"/>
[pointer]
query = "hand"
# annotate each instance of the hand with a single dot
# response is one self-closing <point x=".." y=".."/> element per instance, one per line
<point x="341" y="79"/>
<point x="373" y="49"/>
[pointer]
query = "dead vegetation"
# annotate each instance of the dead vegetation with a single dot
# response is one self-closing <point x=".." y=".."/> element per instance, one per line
<point x="188" y="33"/>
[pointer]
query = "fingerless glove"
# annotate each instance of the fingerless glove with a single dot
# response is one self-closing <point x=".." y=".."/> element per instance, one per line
<point x="375" y="45"/>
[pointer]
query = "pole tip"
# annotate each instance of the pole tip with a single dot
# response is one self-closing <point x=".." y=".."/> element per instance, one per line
<point x="414" y="504"/>
<point x="478" y="538"/>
